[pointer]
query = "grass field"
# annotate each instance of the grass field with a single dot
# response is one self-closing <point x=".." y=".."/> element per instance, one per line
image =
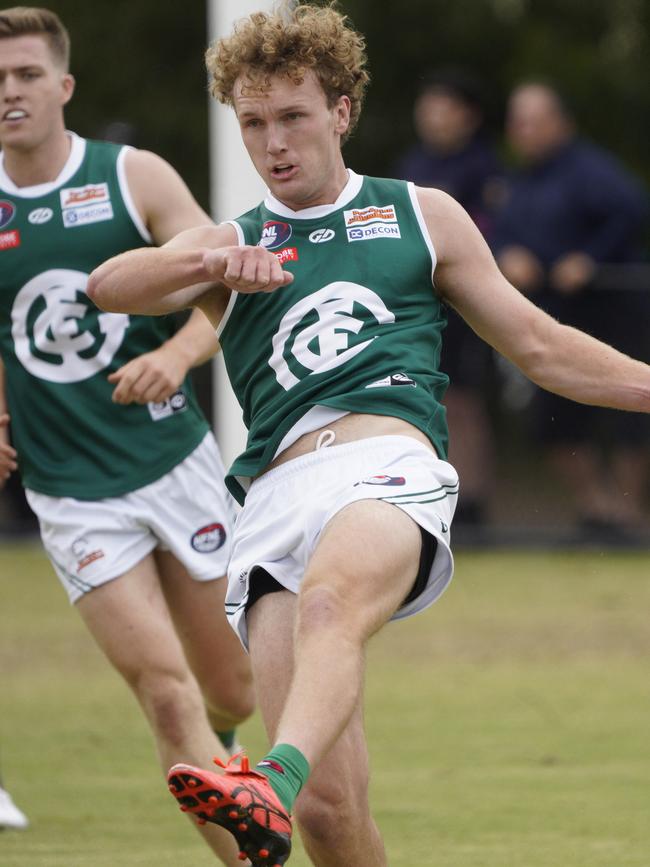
<point x="509" y="725"/>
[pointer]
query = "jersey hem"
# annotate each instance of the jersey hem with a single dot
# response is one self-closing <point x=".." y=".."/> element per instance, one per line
<point x="105" y="493"/>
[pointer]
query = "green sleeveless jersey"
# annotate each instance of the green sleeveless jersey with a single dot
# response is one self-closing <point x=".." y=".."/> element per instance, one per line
<point x="58" y="348"/>
<point x="358" y="330"/>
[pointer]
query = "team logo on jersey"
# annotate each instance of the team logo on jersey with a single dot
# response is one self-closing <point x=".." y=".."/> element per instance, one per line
<point x="364" y="224"/>
<point x="321" y="236"/>
<point x="9" y="239"/>
<point x="81" y="206"/>
<point x="58" y="334"/>
<point x="7" y="212"/>
<point x="176" y="403"/>
<point x="393" y="379"/>
<point x="209" y="538"/>
<point x="40" y="215"/>
<point x="325" y="330"/>
<point x="382" y="480"/>
<point x="274" y="234"/>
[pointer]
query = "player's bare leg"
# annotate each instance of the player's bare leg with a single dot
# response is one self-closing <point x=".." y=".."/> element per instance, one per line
<point x="332" y="810"/>
<point x="361" y="571"/>
<point x="130" y="621"/>
<point x="215" y="655"/>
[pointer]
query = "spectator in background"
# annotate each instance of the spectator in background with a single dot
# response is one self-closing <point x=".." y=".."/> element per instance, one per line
<point x="569" y="208"/>
<point x="454" y="153"/>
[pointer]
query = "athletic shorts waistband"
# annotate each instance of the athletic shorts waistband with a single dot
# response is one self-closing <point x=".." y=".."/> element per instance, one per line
<point x="333" y="452"/>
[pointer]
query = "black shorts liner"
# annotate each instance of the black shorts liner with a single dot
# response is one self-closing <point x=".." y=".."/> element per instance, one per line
<point x="262" y="582"/>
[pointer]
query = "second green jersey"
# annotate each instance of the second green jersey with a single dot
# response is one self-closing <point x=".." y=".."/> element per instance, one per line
<point x="59" y="349"/>
<point x="358" y="330"/>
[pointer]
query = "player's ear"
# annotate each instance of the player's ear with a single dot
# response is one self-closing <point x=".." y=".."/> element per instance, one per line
<point x="67" y="86"/>
<point x="342" y="114"/>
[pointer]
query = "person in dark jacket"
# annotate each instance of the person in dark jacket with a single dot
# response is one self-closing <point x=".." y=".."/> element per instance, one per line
<point x="568" y="209"/>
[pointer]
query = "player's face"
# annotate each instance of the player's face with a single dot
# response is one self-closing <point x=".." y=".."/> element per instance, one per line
<point x="33" y="91"/>
<point x="294" y="139"/>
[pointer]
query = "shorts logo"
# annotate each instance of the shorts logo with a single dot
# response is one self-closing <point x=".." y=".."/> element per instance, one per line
<point x="274" y="234"/>
<point x="393" y="379"/>
<point x="9" y="239"/>
<point x="40" y="215"/>
<point x="166" y="408"/>
<point x="209" y="538"/>
<point x="382" y="480"/>
<point x="321" y="236"/>
<point x="443" y="526"/>
<point x="288" y="254"/>
<point x="89" y="558"/>
<point x="7" y="212"/>
<point x="79" y="548"/>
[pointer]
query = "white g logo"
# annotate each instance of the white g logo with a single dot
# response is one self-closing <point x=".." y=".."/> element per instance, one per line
<point x="56" y="329"/>
<point x="333" y="305"/>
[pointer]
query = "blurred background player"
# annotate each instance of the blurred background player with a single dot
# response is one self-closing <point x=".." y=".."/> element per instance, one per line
<point x="454" y="153"/>
<point x="116" y="458"/>
<point x="568" y="208"/>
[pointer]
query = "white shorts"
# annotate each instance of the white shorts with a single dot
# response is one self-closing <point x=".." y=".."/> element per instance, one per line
<point x="188" y="512"/>
<point x="288" y="507"/>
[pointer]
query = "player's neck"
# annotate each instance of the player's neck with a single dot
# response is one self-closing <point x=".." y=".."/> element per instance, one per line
<point x="40" y="164"/>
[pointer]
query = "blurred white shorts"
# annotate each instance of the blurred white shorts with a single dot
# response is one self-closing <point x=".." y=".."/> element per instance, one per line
<point x="287" y="508"/>
<point x="188" y="512"/>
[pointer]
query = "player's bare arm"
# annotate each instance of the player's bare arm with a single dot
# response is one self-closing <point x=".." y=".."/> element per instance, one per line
<point x="199" y="267"/>
<point x="8" y="454"/>
<point x="555" y="356"/>
<point x="161" y="197"/>
<point x="155" y="376"/>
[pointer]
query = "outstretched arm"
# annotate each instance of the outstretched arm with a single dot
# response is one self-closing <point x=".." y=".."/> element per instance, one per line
<point x="556" y="357"/>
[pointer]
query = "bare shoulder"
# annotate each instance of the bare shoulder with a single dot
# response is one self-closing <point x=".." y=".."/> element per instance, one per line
<point x="452" y="231"/>
<point x="139" y="163"/>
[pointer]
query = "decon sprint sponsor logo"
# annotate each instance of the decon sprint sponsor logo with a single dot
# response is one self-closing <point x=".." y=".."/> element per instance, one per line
<point x="81" y="206"/>
<point x="365" y="224"/>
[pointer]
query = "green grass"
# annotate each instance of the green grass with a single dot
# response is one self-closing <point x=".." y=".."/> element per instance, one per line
<point x="509" y="725"/>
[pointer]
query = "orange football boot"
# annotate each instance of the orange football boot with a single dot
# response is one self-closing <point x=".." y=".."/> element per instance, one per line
<point x="240" y="800"/>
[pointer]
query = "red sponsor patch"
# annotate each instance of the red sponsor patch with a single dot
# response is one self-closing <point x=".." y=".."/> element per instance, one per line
<point x="89" y="558"/>
<point x="9" y="239"/>
<point x="289" y="254"/>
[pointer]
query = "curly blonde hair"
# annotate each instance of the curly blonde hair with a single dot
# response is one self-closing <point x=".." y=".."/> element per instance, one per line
<point x="292" y="41"/>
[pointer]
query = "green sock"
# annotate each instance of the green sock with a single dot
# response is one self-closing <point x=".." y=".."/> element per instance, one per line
<point x="227" y="739"/>
<point x="287" y="770"/>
